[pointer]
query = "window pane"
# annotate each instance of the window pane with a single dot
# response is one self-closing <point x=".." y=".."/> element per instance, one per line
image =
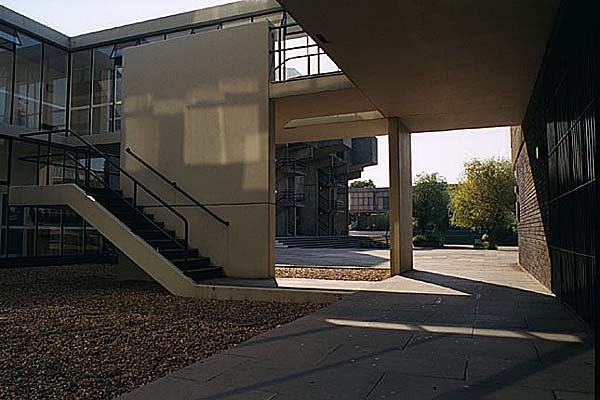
<point x="73" y="232"/>
<point x="80" y="121"/>
<point x="104" y="67"/>
<point x="103" y="75"/>
<point x="81" y="70"/>
<point x="4" y="159"/>
<point x="152" y="39"/>
<point x="55" y="88"/>
<point x="6" y="76"/>
<point x="102" y="119"/>
<point x="80" y="86"/>
<point x="27" y="82"/>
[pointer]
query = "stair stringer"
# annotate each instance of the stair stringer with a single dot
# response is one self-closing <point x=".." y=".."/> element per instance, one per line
<point x="134" y="247"/>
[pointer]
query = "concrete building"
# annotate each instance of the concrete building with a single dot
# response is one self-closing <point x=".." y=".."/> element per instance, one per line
<point x="528" y="64"/>
<point x="369" y="200"/>
<point x="312" y="184"/>
<point x="161" y="136"/>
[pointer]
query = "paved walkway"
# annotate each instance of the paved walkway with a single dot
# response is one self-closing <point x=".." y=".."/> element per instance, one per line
<point x="473" y="326"/>
<point x="336" y="258"/>
<point x="380" y="258"/>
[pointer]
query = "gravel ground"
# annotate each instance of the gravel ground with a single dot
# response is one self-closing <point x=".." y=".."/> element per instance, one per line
<point x="342" y="274"/>
<point x="76" y="332"/>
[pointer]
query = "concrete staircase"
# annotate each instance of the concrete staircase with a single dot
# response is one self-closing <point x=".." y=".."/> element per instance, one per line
<point x="145" y="241"/>
<point x="153" y="232"/>
<point x="339" y="242"/>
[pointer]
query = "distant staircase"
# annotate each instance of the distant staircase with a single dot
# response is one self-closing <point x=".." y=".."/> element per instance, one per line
<point x="333" y="242"/>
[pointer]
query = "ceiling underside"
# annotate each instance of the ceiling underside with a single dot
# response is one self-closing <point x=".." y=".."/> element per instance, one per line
<point x="436" y="64"/>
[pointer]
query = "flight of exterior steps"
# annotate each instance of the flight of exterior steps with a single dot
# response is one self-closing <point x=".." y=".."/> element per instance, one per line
<point x="342" y="242"/>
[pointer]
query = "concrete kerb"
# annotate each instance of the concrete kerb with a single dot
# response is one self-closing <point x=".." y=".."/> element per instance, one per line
<point x="289" y="295"/>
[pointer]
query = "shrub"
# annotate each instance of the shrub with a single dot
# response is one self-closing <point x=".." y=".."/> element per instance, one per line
<point x="431" y="239"/>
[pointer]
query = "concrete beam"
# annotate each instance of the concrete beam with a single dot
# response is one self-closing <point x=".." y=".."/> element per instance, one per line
<point x="309" y="85"/>
<point x="176" y="22"/>
<point x="342" y="130"/>
<point x="23" y="23"/>
<point x="401" y="250"/>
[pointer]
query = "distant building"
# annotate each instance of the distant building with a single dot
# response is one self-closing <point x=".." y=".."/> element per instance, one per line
<point x="369" y="200"/>
<point x="312" y="184"/>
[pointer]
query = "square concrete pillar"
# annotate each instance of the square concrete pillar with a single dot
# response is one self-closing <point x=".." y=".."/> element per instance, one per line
<point x="401" y="250"/>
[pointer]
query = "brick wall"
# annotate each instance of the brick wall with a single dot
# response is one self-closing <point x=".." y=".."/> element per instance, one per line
<point x="534" y="255"/>
<point x="556" y="162"/>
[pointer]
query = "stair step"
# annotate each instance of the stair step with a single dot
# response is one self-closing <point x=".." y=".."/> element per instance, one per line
<point x="138" y="224"/>
<point x="173" y="254"/>
<point x="204" y="273"/>
<point x="121" y="208"/>
<point x="191" y="263"/>
<point x="132" y="216"/>
<point x="150" y="230"/>
<point x="166" y="243"/>
<point x="149" y="234"/>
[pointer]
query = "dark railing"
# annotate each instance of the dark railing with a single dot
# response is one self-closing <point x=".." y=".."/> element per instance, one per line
<point x="174" y="185"/>
<point x="91" y="151"/>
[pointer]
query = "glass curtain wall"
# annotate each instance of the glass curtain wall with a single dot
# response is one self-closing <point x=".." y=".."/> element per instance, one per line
<point x="34" y="76"/>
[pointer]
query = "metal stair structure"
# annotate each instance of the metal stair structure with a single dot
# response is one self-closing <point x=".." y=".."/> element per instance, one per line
<point x="77" y="166"/>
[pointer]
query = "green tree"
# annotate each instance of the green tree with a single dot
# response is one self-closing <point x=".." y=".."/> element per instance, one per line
<point x="362" y="184"/>
<point x="484" y="198"/>
<point x="430" y="203"/>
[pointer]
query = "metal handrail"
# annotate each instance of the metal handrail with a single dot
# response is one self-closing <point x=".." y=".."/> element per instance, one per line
<point x="136" y="183"/>
<point x="137" y="210"/>
<point x="174" y="185"/>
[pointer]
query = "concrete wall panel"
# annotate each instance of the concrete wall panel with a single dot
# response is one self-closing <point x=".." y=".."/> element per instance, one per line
<point x="197" y="109"/>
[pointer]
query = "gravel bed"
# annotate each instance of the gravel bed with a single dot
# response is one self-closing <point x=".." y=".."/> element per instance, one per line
<point x="76" y="332"/>
<point x="341" y="274"/>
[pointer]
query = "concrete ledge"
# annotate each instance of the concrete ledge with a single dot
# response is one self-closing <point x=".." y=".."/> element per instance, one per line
<point x="309" y="85"/>
<point x="286" y="295"/>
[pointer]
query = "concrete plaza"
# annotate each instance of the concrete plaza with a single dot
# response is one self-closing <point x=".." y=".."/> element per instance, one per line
<point x="464" y="325"/>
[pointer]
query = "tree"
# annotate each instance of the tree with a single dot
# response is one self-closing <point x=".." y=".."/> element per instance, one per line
<point x="430" y="203"/>
<point x="484" y="197"/>
<point x="362" y="184"/>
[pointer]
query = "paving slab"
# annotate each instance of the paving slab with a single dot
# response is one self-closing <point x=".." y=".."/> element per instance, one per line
<point x="463" y="325"/>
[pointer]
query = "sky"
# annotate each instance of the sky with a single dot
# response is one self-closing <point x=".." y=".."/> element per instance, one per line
<point x="443" y="152"/>
<point x="74" y="17"/>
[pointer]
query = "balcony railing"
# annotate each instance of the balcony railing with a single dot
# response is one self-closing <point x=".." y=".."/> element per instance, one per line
<point x="297" y="55"/>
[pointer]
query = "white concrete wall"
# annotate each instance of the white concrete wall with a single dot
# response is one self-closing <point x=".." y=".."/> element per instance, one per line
<point x="197" y="109"/>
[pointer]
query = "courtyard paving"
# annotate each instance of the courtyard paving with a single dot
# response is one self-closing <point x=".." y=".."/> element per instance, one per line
<point x="464" y="325"/>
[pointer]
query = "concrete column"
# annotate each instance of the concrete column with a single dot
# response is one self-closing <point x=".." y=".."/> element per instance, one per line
<point x="401" y="250"/>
